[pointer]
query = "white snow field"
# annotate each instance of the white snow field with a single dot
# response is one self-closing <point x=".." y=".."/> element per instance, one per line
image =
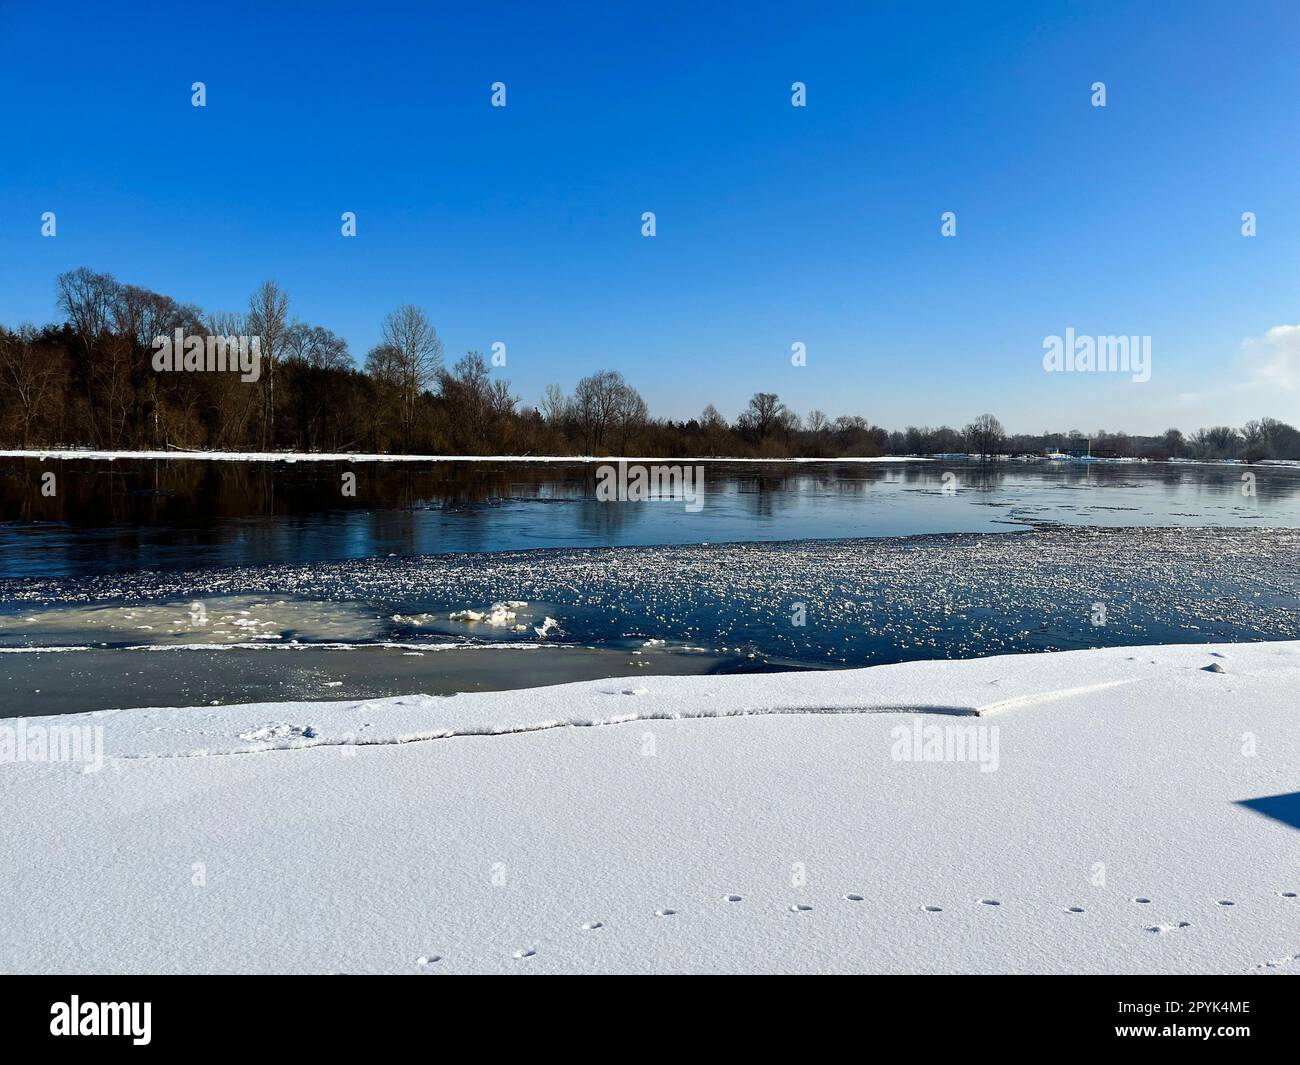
<point x="759" y="823"/>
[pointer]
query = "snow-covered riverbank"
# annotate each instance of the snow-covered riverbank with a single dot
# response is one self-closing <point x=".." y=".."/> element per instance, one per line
<point x="1126" y="809"/>
<point x="353" y="456"/>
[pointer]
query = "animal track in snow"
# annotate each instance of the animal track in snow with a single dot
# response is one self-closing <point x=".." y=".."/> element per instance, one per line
<point x="1279" y="963"/>
<point x="428" y="960"/>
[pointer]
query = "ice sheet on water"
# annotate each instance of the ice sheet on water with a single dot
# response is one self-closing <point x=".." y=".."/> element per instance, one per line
<point x="198" y="619"/>
<point x="860" y="600"/>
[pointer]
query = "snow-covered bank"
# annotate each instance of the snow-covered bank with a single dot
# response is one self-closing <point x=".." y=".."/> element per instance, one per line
<point x="352" y="456"/>
<point x="980" y="687"/>
<point x="741" y="823"/>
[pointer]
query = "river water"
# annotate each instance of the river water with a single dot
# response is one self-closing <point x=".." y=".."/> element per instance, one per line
<point x="198" y="582"/>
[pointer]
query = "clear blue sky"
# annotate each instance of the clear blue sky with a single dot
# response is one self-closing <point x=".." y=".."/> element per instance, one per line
<point x="775" y="224"/>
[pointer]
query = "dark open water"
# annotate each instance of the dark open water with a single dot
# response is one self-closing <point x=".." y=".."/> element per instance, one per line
<point x="180" y="514"/>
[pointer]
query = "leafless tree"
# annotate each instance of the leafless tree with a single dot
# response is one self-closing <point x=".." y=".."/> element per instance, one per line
<point x="555" y="405"/>
<point x="717" y="433"/>
<point x="788" y="423"/>
<point x="630" y="416"/>
<point x="1216" y="442"/>
<point x="87" y="298"/>
<point x="985" y="436"/>
<point x="761" y="415"/>
<point x="415" y="352"/>
<point x="317" y="347"/>
<point x="607" y="409"/>
<point x="268" y="313"/>
<point x="466" y="391"/>
<point x="31" y="377"/>
<point x="711" y="419"/>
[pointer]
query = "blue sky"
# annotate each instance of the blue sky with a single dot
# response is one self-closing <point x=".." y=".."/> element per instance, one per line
<point x="776" y="224"/>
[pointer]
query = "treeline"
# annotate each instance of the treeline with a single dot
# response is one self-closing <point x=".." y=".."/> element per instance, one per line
<point x="90" y="381"/>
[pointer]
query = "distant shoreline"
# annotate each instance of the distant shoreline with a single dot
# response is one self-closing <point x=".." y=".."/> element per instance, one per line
<point x="352" y="456"/>
<point x="355" y="456"/>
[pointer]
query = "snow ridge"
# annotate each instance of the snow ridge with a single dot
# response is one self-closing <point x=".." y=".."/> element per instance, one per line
<point x="1002" y="685"/>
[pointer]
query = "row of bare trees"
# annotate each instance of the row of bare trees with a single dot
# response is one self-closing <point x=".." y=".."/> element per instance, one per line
<point x="89" y="381"/>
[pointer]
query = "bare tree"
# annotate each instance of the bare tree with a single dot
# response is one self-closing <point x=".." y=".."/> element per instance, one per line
<point x="317" y="347"/>
<point x="500" y="401"/>
<point x="466" y="392"/>
<point x="382" y="369"/>
<point x="985" y="436"/>
<point x="717" y="432"/>
<point x="555" y="405"/>
<point x="764" y="409"/>
<point x="33" y="378"/>
<point x="416" y="354"/>
<point x="630" y="416"/>
<point x="788" y="423"/>
<point x="268" y="312"/>
<point x="606" y="408"/>
<point x="310" y="356"/>
<point x="87" y="298"/>
<point x="1216" y="442"/>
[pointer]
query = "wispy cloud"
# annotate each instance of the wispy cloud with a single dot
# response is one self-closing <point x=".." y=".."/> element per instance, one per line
<point x="1274" y="358"/>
